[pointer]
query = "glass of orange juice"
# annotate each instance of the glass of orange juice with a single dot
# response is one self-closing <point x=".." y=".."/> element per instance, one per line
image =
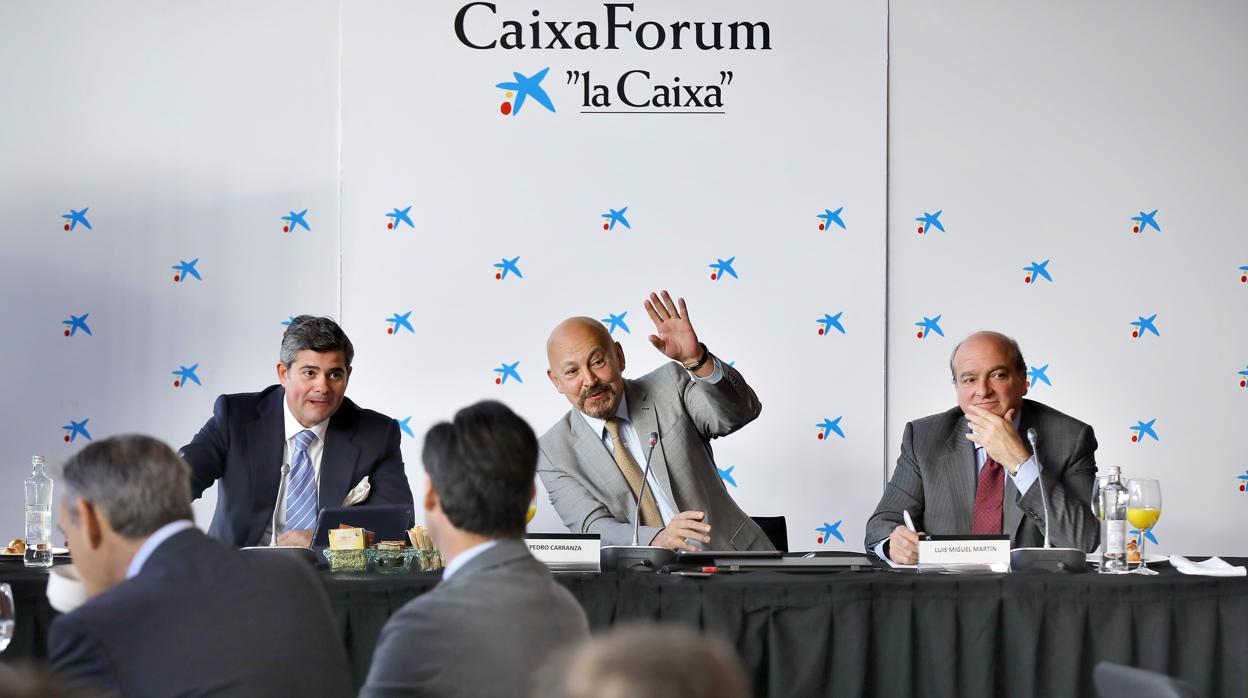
<point x="1143" y="510"/>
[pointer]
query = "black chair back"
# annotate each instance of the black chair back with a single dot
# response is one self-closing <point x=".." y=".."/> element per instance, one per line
<point x="776" y="529"/>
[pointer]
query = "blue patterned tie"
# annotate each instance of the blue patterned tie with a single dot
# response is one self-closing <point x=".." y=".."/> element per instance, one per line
<point x="301" y="501"/>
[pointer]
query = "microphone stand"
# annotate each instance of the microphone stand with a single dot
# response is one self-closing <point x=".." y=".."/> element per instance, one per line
<point x="1046" y="558"/>
<point x="615" y="557"/>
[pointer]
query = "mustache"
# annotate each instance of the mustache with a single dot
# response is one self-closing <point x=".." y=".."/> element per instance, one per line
<point x="590" y="392"/>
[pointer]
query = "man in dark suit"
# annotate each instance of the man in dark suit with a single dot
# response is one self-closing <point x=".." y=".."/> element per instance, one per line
<point x="594" y="457"/>
<point x="283" y="454"/>
<point x="172" y="611"/>
<point x="497" y="614"/>
<point x="970" y="471"/>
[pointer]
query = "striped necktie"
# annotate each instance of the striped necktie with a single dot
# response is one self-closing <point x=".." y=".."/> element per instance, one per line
<point x="301" y="500"/>
<point x="632" y="473"/>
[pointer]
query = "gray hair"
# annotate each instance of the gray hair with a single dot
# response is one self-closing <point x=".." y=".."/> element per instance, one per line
<point x="137" y="481"/>
<point x="318" y="334"/>
<point x="1012" y="349"/>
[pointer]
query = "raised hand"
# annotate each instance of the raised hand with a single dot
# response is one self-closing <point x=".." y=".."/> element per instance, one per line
<point x="674" y="335"/>
<point x="998" y="437"/>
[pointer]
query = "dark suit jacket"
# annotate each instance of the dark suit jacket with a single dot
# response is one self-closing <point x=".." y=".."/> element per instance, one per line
<point x="479" y="634"/>
<point x="936" y="474"/>
<point x="202" y="618"/>
<point x="590" y="493"/>
<point x="242" y="446"/>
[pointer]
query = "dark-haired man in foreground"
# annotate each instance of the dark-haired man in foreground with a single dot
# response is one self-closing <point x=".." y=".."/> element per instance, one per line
<point x="497" y="614"/>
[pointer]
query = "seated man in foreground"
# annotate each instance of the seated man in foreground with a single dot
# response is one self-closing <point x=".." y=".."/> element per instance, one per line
<point x="283" y="454"/>
<point x="497" y="614"/>
<point x="172" y="611"/>
<point x="969" y="470"/>
<point x="593" y="459"/>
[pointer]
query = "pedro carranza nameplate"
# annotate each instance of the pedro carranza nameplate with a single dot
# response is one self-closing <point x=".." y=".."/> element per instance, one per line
<point x="969" y="553"/>
<point x="566" y="552"/>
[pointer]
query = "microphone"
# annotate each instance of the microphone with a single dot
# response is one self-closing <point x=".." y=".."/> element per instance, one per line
<point x="636" y="555"/>
<point x="645" y="480"/>
<point x="281" y="491"/>
<point x="1045" y="557"/>
<point x="1044" y="502"/>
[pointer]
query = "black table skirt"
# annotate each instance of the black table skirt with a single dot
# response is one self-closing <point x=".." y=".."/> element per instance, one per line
<point x="879" y="633"/>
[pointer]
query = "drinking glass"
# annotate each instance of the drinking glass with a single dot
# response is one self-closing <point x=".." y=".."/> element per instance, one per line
<point x="7" y="613"/>
<point x="1143" y="510"/>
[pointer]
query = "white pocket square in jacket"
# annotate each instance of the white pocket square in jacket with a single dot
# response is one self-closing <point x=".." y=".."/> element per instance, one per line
<point x="358" y="494"/>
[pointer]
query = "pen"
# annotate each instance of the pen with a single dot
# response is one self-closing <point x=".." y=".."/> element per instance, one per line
<point x="909" y="521"/>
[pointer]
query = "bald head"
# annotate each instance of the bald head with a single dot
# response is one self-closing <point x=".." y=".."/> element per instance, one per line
<point x="586" y="366"/>
<point x="989" y="373"/>
<point x="1006" y="344"/>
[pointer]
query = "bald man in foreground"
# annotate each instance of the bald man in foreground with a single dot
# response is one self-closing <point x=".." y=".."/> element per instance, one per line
<point x="969" y="470"/>
<point x="593" y="458"/>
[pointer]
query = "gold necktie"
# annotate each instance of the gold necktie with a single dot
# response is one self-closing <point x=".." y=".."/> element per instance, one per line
<point x="632" y="472"/>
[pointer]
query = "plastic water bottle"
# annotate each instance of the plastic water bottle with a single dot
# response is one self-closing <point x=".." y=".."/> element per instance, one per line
<point x="1113" y="506"/>
<point x="38" y="516"/>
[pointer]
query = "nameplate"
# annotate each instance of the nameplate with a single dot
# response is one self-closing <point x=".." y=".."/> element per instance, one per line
<point x="964" y="553"/>
<point x="566" y="552"/>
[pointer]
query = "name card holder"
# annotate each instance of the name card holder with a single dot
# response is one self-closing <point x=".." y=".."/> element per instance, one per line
<point x="969" y="553"/>
<point x="566" y="552"/>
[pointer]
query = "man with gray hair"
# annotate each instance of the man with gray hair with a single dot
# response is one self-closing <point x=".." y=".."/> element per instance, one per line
<point x="171" y="611"/>
<point x="968" y="470"/>
<point x="290" y="450"/>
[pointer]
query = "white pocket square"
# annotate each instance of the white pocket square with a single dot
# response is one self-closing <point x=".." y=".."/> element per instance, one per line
<point x="358" y="494"/>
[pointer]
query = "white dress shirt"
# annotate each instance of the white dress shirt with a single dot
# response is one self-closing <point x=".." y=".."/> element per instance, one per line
<point x="315" y="449"/>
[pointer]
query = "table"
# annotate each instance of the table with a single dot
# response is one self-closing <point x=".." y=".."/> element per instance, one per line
<point x="878" y="633"/>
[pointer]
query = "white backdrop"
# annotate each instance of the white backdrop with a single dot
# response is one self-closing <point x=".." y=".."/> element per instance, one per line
<point x="190" y="132"/>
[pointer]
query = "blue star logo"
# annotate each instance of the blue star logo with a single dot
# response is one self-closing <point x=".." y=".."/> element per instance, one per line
<point x="1146" y="219"/>
<point x="507" y="266"/>
<point x="1147" y="534"/>
<point x="1145" y="324"/>
<point x="76" y="217"/>
<point x="186" y="375"/>
<point x="829" y="531"/>
<point x="76" y="429"/>
<point x="75" y="323"/>
<point x="1037" y="375"/>
<point x="723" y="267"/>
<point x="830" y="426"/>
<point x="726" y="475"/>
<point x="1036" y="271"/>
<point x="400" y="216"/>
<point x="1243" y="381"/>
<point x="829" y="217"/>
<point x="930" y="220"/>
<point x="296" y="219"/>
<point x="613" y="216"/>
<point x="406" y="427"/>
<point x="829" y="322"/>
<point x="614" y="322"/>
<point x="185" y="269"/>
<point x="526" y="87"/>
<point x="1144" y="429"/>
<point x="286" y="323"/>
<point x="505" y="371"/>
<point x="1243" y="486"/>
<point x="399" y="323"/>
<point x="929" y="325"/>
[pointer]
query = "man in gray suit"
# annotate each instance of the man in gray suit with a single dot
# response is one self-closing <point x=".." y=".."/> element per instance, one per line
<point x="497" y="614"/>
<point x="593" y="458"/>
<point x="969" y="470"/>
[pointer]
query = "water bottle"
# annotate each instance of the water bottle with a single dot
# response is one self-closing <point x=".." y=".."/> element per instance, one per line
<point x="1113" y="506"/>
<point x="38" y="516"/>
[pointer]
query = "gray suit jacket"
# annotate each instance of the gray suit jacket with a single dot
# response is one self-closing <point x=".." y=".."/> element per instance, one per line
<point x="480" y="633"/>
<point x="936" y="474"/>
<point x="590" y="493"/>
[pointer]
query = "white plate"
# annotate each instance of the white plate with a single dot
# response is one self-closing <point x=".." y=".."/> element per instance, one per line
<point x="55" y="551"/>
<point x="1153" y="558"/>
